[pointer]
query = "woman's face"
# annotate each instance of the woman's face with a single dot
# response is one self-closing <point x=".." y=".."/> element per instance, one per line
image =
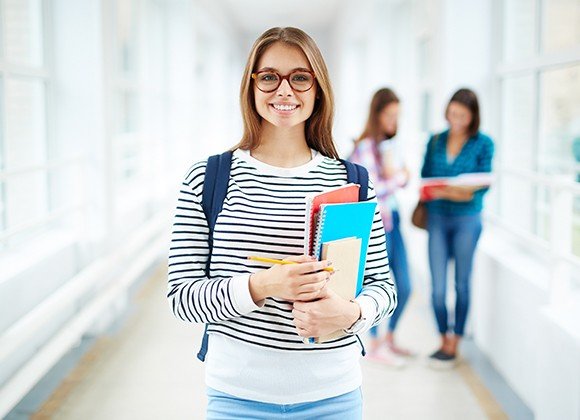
<point x="388" y="119"/>
<point x="284" y="107"/>
<point x="459" y="117"/>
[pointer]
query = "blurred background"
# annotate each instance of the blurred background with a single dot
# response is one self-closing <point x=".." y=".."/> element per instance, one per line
<point x="105" y="104"/>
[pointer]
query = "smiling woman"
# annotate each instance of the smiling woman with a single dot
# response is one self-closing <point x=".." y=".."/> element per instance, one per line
<point x="258" y="364"/>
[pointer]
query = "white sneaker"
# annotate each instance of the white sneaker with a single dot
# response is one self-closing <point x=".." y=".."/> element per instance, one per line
<point x="383" y="355"/>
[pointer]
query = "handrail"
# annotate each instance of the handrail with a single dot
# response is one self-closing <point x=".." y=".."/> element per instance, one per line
<point x="141" y="250"/>
<point x="4" y="235"/>
<point x="50" y="165"/>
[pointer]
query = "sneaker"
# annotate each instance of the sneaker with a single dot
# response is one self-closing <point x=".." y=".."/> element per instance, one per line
<point x="400" y="351"/>
<point x="442" y="360"/>
<point x="386" y="357"/>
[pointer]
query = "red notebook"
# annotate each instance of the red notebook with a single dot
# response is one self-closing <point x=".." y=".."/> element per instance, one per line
<point x="344" y="194"/>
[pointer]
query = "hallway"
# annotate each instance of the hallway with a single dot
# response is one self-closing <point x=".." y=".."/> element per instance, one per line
<point x="105" y="105"/>
<point x="147" y="370"/>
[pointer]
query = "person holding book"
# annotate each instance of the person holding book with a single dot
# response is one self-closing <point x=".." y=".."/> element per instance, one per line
<point x="454" y="214"/>
<point x="259" y="364"/>
<point x="378" y="150"/>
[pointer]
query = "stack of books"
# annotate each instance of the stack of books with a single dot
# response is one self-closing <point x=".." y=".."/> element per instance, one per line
<point x="338" y="229"/>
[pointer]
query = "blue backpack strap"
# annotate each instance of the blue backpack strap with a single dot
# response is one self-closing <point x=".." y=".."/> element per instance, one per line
<point x="357" y="174"/>
<point x="215" y="187"/>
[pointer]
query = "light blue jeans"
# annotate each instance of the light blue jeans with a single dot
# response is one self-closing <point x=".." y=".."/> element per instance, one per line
<point x="227" y="407"/>
<point x="400" y="270"/>
<point x="452" y="237"/>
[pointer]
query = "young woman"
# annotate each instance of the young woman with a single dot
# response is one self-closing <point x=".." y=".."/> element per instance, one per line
<point x="454" y="217"/>
<point x="378" y="150"/>
<point x="258" y="365"/>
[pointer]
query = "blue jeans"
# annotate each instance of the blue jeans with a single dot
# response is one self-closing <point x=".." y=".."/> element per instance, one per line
<point x="452" y="237"/>
<point x="400" y="271"/>
<point x="227" y="407"/>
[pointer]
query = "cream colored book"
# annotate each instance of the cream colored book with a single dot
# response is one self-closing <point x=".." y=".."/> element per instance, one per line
<point x="345" y="257"/>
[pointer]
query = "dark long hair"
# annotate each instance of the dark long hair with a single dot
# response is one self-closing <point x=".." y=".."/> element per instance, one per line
<point x="381" y="99"/>
<point x="467" y="98"/>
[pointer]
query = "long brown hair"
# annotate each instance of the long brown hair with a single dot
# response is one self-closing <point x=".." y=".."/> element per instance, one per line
<point x="381" y="99"/>
<point x="467" y="98"/>
<point x="318" y="128"/>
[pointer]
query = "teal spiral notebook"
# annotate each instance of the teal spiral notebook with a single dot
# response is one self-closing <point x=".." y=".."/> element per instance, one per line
<point x="345" y="220"/>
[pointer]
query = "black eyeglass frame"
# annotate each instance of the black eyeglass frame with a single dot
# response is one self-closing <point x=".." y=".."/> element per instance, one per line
<point x="281" y="78"/>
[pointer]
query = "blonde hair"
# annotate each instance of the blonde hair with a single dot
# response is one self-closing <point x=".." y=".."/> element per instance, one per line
<point x="318" y="127"/>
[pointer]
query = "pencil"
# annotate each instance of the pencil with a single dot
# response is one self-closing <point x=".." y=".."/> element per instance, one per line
<point x="273" y="261"/>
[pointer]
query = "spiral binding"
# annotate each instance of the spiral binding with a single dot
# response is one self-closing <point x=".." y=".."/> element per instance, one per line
<point x="318" y="235"/>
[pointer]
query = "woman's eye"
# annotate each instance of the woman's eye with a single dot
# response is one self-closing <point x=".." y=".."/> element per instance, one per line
<point x="269" y="77"/>
<point x="300" y="78"/>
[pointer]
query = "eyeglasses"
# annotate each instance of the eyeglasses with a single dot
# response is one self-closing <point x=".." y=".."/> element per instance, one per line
<point x="268" y="80"/>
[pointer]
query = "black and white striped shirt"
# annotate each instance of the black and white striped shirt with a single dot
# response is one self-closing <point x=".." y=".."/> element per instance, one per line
<point x="255" y="352"/>
<point x="263" y="214"/>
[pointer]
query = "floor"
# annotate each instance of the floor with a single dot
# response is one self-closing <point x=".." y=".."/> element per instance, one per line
<point x="148" y="370"/>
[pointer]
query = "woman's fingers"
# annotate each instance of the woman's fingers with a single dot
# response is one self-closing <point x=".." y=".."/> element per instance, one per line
<point x="300" y="258"/>
<point x="309" y="267"/>
<point x="312" y="287"/>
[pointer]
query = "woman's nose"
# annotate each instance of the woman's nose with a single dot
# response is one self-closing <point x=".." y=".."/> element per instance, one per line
<point x="284" y="89"/>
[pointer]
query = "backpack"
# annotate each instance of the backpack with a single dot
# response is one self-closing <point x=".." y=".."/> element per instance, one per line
<point x="215" y="187"/>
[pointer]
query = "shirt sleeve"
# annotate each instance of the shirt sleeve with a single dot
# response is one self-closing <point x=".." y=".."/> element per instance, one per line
<point x="484" y="161"/>
<point x="365" y="156"/>
<point x="193" y="296"/>
<point x="485" y="157"/>
<point x="378" y="297"/>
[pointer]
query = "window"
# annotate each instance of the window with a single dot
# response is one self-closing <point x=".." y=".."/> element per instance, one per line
<point x="539" y="143"/>
<point x="25" y="202"/>
<point x="560" y="25"/>
<point x="139" y="94"/>
<point x="518" y="29"/>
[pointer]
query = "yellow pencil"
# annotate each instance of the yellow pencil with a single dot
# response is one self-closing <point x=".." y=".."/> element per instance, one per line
<point x="273" y="261"/>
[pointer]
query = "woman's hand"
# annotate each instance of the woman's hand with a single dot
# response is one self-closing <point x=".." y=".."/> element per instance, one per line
<point x="452" y="193"/>
<point x="324" y="316"/>
<point x="303" y="281"/>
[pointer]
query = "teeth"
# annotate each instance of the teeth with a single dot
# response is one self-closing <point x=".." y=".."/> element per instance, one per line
<point x="285" y="107"/>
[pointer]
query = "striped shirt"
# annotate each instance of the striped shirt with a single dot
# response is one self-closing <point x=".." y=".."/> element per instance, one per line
<point x="475" y="156"/>
<point x="263" y="214"/>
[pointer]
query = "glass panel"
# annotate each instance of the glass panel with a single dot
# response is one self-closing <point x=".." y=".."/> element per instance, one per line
<point x="128" y="112"/>
<point x="517" y="137"/>
<point x="518" y="29"/>
<point x="426" y="112"/>
<point x="26" y="198"/>
<point x="2" y="119"/>
<point x="560" y="122"/>
<point x="127" y="36"/>
<point x="23" y="31"/>
<point x="543" y="201"/>
<point x="25" y="127"/>
<point x="513" y="192"/>
<point x="2" y="208"/>
<point x="65" y="186"/>
<point x="576" y="227"/>
<point x="561" y="24"/>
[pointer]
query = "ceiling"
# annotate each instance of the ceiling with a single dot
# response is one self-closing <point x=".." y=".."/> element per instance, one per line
<point x="252" y="17"/>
